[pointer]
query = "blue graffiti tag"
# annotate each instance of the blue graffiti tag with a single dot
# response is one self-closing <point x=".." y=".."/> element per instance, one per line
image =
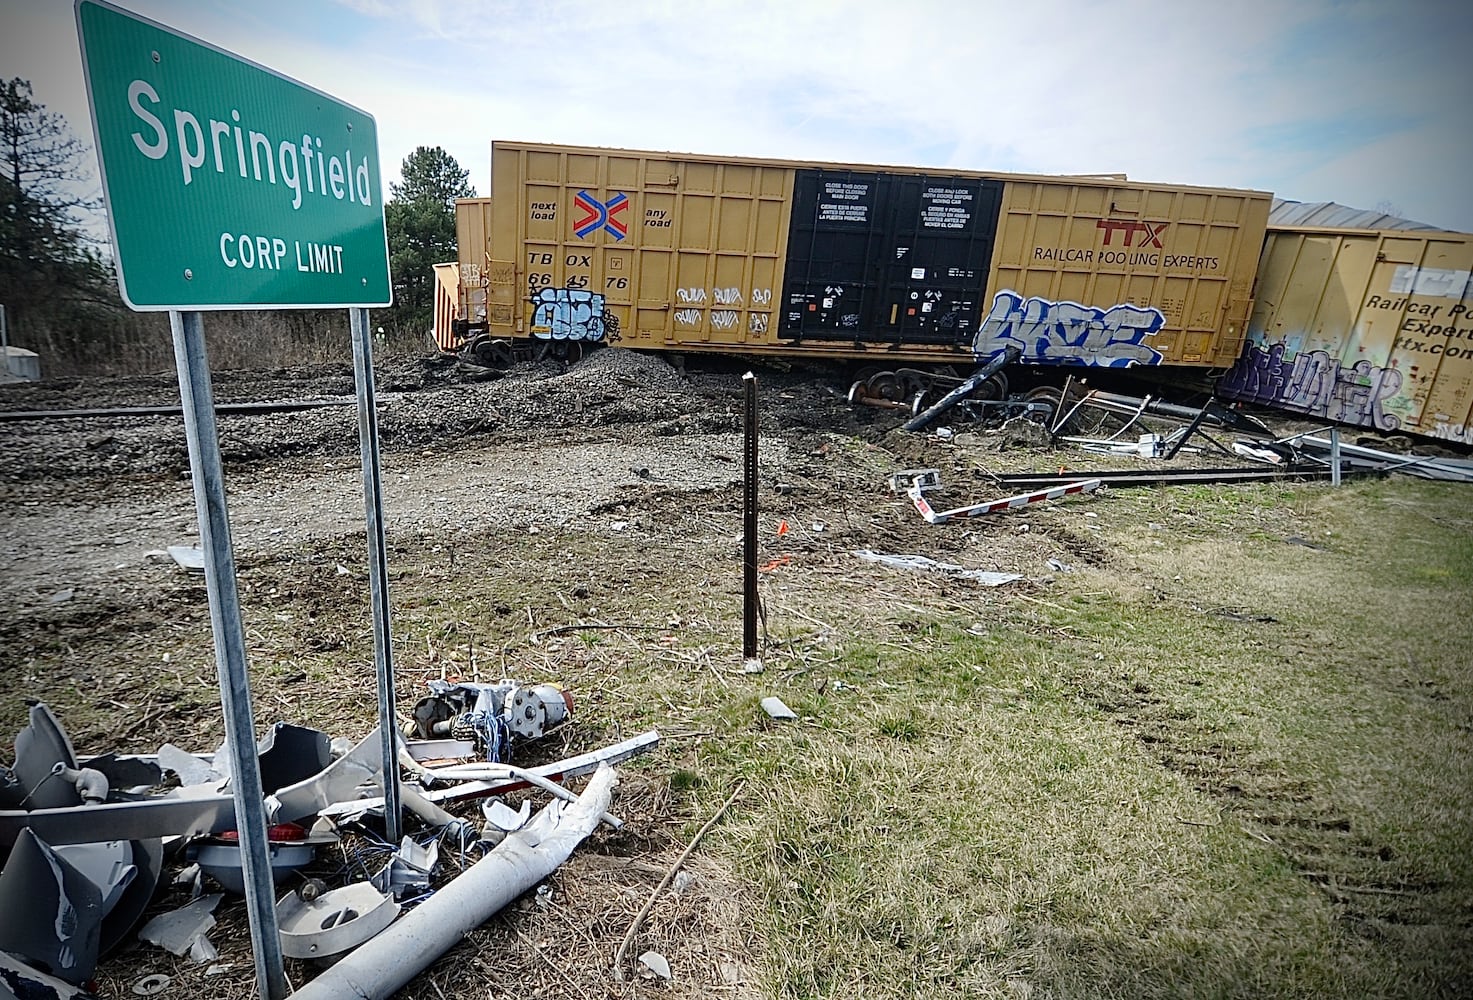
<point x="1313" y="382"/>
<point x="568" y="314"/>
<point x="1069" y="333"/>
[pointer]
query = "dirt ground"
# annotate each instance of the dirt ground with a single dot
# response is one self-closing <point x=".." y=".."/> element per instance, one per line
<point x="556" y="496"/>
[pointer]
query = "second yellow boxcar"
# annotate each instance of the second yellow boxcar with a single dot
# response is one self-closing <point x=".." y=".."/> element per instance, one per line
<point x="1373" y="328"/>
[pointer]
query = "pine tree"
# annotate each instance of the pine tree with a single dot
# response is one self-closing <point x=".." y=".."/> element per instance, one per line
<point x="53" y="281"/>
<point x="420" y="217"/>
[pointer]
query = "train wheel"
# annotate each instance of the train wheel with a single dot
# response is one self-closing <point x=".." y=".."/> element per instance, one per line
<point x="492" y="353"/>
<point x="886" y="385"/>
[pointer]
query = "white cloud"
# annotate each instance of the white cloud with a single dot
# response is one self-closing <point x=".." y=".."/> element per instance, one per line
<point x="1306" y="97"/>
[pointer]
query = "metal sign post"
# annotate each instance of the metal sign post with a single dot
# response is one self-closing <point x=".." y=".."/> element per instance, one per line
<point x="749" y="520"/>
<point x="378" y="570"/>
<point x="230" y="656"/>
<point x="230" y="186"/>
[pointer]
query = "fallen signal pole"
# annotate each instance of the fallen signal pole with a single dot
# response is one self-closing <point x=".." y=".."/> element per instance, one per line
<point x="921" y="480"/>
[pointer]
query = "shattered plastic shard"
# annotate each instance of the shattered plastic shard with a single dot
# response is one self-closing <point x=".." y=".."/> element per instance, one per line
<point x="656" y="963"/>
<point x="50" y="913"/>
<point x="176" y="931"/>
<point x="775" y="707"/>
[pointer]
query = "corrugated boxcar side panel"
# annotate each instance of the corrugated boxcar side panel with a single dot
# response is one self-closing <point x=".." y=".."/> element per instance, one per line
<point x="472" y="235"/>
<point x="1366" y="328"/>
<point x="1095" y="274"/>
<point x="447" y="308"/>
<point x="640" y="249"/>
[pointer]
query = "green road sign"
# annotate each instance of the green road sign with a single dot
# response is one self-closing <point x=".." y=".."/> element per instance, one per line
<point x="228" y="185"/>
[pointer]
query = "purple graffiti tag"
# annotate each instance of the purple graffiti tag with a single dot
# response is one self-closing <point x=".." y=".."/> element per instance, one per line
<point x="1315" y="383"/>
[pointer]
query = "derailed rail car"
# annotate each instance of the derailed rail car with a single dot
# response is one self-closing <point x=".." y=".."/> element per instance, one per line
<point x="693" y="253"/>
<point x="1364" y="327"/>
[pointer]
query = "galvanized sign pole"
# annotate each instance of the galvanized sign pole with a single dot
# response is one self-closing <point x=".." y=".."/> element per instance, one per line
<point x="378" y="570"/>
<point x="230" y="186"/>
<point x="230" y="655"/>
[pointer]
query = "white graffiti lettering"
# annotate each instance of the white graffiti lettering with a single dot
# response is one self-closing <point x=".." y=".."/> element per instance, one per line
<point x="727" y="296"/>
<point x="723" y="319"/>
<point x="761" y="296"/>
<point x="687" y="317"/>
<point x="757" y="322"/>
<point x="568" y="314"/>
<point x="1069" y="333"/>
<point x="691" y="294"/>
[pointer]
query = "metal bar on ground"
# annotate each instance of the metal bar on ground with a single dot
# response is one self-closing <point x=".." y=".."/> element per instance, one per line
<point x="749" y="521"/>
<point x="923" y="419"/>
<point x="933" y="516"/>
<point x="1334" y="456"/>
<point x="378" y="571"/>
<point x="170" y="411"/>
<point x="1167" y="477"/>
<point x="230" y="656"/>
<point x="1449" y="470"/>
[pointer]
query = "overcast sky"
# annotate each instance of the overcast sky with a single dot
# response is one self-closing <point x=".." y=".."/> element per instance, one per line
<point x="1363" y="103"/>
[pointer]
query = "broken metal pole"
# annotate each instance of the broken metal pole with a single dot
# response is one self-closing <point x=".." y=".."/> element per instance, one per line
<point x="749" y="522"/>
<point x="378" y="570"/>
<point x="924" y="419"/>
<point x="933" y="516"/>
<point x="230" y="658"/>
<point x="374" y="971"/>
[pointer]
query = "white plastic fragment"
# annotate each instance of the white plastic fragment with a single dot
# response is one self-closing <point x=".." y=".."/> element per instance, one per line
<point x="152" y="984"/>
<point x="203" y="950"/>
<point x="925" y="564"/>
<point x="191" y="769"/>
<point x="655" y="963"/>
<point x="190" y="558"/>
<point x="177" y="930"/>
<point x="774" y="707"/>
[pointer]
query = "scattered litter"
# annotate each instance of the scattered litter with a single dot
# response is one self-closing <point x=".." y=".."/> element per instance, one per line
<point x="177" y="930"/>
<point x="656" y="964"/>
<point x="334" y="922"/>
<point x="782" y="527"/>
<point x="1296" y="540"/>
<point x="773" y="564"/>
<point x="774" y="707"/>
<point x="190" y="558"/>
<point x="502" y="819"/>
<point x="219" y="969"/>
<point x="62" y="596"/>
<point x="408" y="871"/>
<point x="150" y="985"/>
<point x="819" y="527"/>
<point x="927" y="565"/>
<point x="1060" y="567"/>
<point x="343" y="570"/>
<point x="752" y="666"/>
<point x="618" y="525"/>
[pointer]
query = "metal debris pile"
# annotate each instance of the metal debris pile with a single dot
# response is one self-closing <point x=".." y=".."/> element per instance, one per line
<point x="90" y="843"/>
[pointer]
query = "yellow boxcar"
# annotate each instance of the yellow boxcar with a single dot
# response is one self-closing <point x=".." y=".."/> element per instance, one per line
<point x="1373" y="328"/>
<point x="698" y="253"/>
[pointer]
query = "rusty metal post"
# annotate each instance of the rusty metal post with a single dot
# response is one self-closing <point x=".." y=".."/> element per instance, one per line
<point x="749" y="522"/>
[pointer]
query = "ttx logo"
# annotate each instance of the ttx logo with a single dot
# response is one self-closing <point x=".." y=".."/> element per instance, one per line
<point x="1152" y="231"/>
